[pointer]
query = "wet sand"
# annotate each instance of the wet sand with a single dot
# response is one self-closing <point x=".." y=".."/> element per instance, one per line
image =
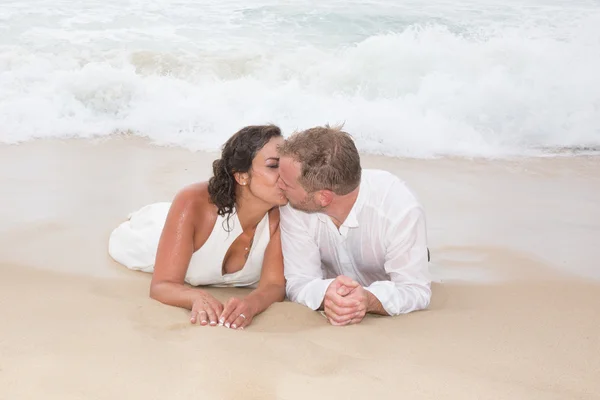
<point x="514" y="311"/>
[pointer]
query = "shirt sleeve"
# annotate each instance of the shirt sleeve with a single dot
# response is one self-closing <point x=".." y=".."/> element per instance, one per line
<point x="302" y="261"/>
<point x="406" y="263"/>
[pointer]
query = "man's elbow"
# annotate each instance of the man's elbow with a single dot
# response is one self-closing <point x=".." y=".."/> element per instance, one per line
<point x="416" y="298"/>
<point x="302" y="291"/>
<point x="423" y="297"/>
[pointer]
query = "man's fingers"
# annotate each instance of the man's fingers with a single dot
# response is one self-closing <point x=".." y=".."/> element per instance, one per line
<point x="359" y="316"/>
<point x="338" y="315"/>
<point x="344" y="302"/>
<point x="336" y="319"/>
<point x="357" y="319"/>
<point x="346" y="281"/>
<point x="344" y="290"/>
<point x="341" y="311"/>
<point x="340" y="319"/>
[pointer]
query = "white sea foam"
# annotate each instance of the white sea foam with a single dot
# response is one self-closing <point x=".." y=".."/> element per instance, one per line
<point x="416" y="79"/>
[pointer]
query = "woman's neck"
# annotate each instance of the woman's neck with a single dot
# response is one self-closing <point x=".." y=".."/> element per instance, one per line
<point x="250" y="210"/>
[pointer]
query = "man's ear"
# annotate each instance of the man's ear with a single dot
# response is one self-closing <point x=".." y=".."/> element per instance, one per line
<point x="242" y="178"/>
<point x="325" y="197"/>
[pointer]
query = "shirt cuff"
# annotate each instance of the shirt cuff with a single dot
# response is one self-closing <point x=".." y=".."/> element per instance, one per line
<point x="401" y="300"/>
<point x="385" y="291"/>
<point x="313" y="293"/>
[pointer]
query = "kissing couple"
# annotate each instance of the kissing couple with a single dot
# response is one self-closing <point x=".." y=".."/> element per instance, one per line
<point x="296" y="217"/>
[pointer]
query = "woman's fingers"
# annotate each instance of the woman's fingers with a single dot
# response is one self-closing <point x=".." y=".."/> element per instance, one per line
<point x="193" y="316"/>
<point x="234" y="315"/>
<point x="230" y="306"/>
<point x="206" y="310"/>
<point x="203" y="317"/>
<point x="218" y="307"/>
<point x="240" y="321"/>
<point x="212" y="315"/>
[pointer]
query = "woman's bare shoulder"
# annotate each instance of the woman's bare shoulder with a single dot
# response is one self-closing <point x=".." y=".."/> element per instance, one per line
<point x="193" y="202"/>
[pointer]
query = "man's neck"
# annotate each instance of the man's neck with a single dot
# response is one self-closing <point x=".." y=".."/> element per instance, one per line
<point x="340" y="207"/>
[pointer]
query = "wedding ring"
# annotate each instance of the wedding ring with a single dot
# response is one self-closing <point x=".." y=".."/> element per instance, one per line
<point x="243" y="316"/>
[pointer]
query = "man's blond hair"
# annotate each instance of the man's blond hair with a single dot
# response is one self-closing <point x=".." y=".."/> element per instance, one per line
<point x="328" y="157"/>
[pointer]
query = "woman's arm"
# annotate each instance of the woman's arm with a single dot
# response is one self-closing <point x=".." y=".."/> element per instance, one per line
<point x="175" y="249"/>
<point x="271" y="287"/>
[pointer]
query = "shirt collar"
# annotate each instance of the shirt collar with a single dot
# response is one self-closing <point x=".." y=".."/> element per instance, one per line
<point x="352" y="218"/>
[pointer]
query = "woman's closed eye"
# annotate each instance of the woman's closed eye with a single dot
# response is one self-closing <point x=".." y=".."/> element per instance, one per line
<point x="274" y="166"/>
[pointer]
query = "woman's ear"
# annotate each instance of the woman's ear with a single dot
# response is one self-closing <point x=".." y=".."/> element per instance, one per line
<point x="242" y="178"/>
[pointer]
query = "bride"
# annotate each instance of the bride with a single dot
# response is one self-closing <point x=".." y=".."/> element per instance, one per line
<point x="224" y="232"/>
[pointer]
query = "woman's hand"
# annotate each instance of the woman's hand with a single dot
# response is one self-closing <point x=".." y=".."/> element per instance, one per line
<point x="237" y="314"/>
<point x="206" y="309"/>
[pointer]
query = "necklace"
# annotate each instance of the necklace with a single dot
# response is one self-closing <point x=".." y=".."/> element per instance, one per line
<point x="247" y="249"/>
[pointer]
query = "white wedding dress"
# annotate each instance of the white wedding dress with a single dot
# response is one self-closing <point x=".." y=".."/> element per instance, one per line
<point x="134" y="243"/>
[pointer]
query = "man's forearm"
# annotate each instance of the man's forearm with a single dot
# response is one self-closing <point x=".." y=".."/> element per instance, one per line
<point x="374" y="305"/>
<point x="399" y="299"/>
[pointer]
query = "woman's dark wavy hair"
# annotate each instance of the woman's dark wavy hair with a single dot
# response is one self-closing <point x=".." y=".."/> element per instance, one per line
<point x="236" y="156"/>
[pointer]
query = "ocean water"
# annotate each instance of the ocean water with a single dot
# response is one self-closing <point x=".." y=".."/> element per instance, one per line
<point x="414" y="78"/>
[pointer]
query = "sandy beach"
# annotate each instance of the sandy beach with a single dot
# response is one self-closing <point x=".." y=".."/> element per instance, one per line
<point x="514" y="313"/>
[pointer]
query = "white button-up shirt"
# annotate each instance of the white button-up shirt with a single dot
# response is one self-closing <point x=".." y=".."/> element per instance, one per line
<point x="382" y="245"/>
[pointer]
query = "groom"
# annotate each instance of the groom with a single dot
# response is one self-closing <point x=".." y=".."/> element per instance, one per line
<point x="354" y="241"/>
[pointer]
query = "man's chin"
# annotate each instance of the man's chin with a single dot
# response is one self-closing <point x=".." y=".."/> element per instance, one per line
<point x="294" y="206"/>
<point x="302" y="207"/>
